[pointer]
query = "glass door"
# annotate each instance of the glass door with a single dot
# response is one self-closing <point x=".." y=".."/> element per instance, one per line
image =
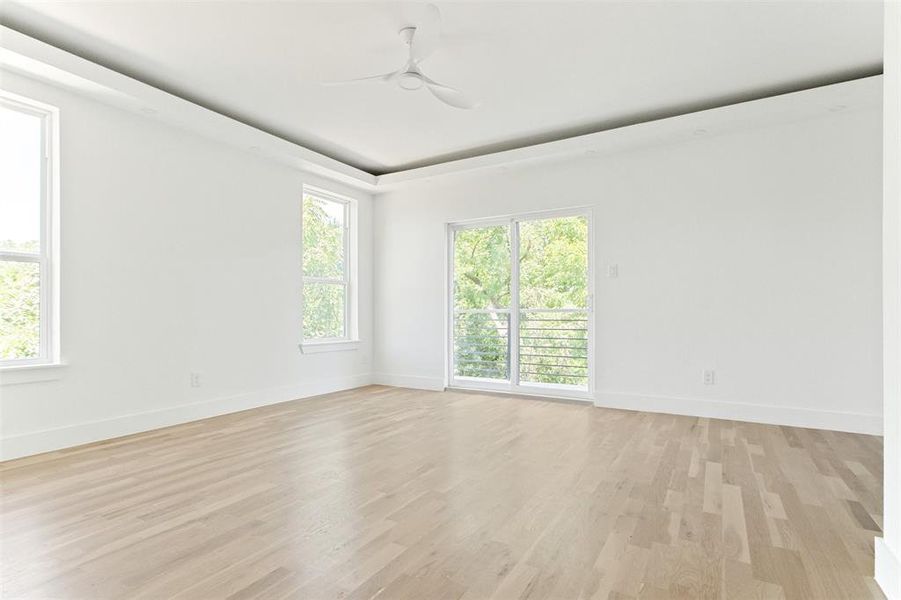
<point x="553" y="302"/>
<point x="481" y="303"/>
<point x="520" y="297"/>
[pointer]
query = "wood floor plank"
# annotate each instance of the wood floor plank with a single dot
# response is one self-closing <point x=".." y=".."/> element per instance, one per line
<point x="392" y="493"/>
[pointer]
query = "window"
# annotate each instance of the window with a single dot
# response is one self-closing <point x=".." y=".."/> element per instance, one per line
<point x="28" y="322"/>
<point x="328" y="294"/>
<point x="520" y="298"/>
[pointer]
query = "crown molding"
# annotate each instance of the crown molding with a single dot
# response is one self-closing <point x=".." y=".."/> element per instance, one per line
<point x="845" y="97"/>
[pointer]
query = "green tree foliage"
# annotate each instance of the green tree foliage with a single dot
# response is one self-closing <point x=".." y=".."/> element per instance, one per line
<point x="323" y="256"/>
<point x="323" y="310"/>
<point x="553" y="266"/>
<point x="323" y="238"/>
<point x="20" y="305"/>
<point x="482" y="268"/>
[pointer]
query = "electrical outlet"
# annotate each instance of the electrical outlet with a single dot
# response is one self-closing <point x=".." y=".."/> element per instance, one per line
<point x="709" y="377"/>
<point x="612" y="271"/>
<point x="195" y="379"/>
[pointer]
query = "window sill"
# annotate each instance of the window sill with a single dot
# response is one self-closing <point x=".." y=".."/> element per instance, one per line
<point x="17" y="374"/>
<point x="338" y="346"/>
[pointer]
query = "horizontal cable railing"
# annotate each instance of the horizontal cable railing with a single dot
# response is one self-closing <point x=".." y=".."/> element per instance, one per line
<point x="553" y="346"/>
<point x="482" y="343"/>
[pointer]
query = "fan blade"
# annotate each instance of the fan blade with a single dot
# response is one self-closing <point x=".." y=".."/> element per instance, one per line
<point x="385" y="77"/>
<point x="428" y="34"/>
<point x="448" y="95"/>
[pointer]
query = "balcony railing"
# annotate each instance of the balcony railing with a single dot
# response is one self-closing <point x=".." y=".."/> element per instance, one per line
<point x="553" y="345"/>
<point x="482" y="343"/>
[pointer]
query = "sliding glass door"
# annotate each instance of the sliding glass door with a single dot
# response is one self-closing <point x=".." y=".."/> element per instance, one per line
<point x="520" y="296"/>
<point x="482" y="300"/>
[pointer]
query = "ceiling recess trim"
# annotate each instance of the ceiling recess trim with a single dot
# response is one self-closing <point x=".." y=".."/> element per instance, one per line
<point x="845" y="97"/>
<point x="23" y="54"/>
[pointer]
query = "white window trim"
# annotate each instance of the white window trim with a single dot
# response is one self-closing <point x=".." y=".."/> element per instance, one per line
<point x="513" y="385"/>
<point x="315" y="347"/>
<point x="48" y="256"/>
<point x="350" y="341"/>
<point x="33" y="373"/>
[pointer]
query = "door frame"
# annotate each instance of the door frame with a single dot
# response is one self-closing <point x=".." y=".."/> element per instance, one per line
<point x="514" y="386"/>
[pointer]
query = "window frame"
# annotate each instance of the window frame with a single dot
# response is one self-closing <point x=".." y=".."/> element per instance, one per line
<point x="347" y="279"/>
<point x="513" y="385"/>
<point x="47" y="257"/>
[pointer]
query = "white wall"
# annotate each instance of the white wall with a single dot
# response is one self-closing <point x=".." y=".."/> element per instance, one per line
<point x="179" y="255"/>
<point x="754" y="253"/>
<point x="888" y="550"/>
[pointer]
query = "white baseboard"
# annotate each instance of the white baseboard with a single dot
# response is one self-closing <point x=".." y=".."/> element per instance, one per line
<point x="47" y="440"/>
<point x="740" y="411"/>
<point x="415" y="382"/>
<point x="888" y="570"/>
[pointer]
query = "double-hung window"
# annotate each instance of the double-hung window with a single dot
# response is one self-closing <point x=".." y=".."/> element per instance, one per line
<point x="28" y="306"/>
<point x="328" y="294"/>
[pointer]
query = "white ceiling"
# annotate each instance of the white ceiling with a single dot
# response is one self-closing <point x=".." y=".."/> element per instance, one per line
<point x="542" y="70"/>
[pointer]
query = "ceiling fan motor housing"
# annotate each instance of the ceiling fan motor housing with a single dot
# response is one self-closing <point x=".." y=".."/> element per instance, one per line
<point x="410" y="80"/>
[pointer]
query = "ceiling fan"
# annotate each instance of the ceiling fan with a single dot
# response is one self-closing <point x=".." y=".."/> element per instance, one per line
<point x="421" y="41"/>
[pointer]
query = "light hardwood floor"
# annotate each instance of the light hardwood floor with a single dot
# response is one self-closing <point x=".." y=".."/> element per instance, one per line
<point x="391" y="493"/>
